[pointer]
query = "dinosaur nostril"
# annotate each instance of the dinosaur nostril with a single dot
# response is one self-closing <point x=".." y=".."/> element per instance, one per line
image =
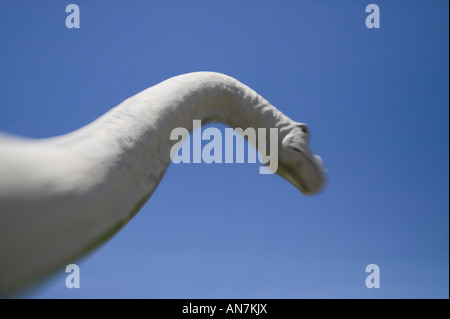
<point x="303" y="127"/>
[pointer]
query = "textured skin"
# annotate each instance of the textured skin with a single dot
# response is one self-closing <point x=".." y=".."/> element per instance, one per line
<point x="61" y="197"/>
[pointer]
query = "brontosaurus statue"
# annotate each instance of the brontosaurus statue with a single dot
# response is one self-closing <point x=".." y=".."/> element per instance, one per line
<point x="61" y="197"/>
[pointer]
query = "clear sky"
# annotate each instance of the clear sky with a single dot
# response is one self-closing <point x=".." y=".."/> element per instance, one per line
<point x="376" y="101"/>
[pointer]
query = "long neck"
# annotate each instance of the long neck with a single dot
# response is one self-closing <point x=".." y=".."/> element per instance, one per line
<point x="135" y="136"/>
<point x="71" y="193"/>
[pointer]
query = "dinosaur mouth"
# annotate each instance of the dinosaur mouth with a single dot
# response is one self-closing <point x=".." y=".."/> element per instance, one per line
<point x="310" y="174"/>
<point x="305" y="155"/>
<point x="311" y="161"/>
<point x="296" y="149"/>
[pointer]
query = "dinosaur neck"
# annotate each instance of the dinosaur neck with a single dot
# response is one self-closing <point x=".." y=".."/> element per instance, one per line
<point x="136" y="134"/>
<point x="79" y="189"/>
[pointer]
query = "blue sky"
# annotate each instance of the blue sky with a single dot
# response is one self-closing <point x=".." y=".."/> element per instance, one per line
<point x="376" y="101"/>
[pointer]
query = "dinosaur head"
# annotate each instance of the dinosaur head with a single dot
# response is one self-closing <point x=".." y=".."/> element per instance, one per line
<point x="297" y="163"/>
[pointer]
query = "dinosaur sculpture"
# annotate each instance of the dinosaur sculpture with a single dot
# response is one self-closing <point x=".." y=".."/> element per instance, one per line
<point x="61" y="197"/>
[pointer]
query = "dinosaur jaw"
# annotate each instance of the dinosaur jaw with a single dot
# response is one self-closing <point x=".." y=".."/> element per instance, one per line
<point x="306" y="172"/>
